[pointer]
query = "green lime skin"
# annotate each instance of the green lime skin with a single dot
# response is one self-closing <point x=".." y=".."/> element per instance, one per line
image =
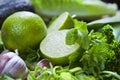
<point x="23" y="30"/>
<point x="54" y="48"/>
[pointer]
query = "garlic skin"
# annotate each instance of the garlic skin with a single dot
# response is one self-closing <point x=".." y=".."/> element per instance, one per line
<point x="44" y="63"/>
<point x="12" y="64"/>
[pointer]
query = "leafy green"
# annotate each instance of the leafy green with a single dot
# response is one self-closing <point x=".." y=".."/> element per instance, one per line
<point x="96" y="24"/>
<point x="74" y="59"/>
<point x="58" y="73"/>
<point x="83" y="39"/>
<point x="101" y="53"/>
<point x="98" y="57"/>
<point x="79" y="34"/>
<point x="83" y="9"/>
<point x="32" y="58"/>
<point x="71" y="36"/>
<point x="116" y="30"/>
<point x="108" y="31"/>
<point x="112" y="74"/>
<point x="66" y="76"/>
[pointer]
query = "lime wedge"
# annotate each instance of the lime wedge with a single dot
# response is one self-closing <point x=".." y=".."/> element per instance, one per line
<point x="64" y="21"/>
<point x="54" y="48"/>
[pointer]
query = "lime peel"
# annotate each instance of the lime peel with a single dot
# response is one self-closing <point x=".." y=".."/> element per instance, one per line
<point x="63" y="21"/>
<point x="54" y="48"/>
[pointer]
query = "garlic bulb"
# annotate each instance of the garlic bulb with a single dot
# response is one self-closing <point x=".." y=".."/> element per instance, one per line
<point x="44" y="63"/>
<point x="12" y="64"/>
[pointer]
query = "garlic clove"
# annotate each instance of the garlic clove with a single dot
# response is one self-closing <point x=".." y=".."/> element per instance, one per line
<point x="3" y="61"/>
<point x="10" y="63"/>
<point x="13" y="65"/>
<point x="9" y="54"/>
<point x="18" y="69"/>
<point x="44" y="63"/>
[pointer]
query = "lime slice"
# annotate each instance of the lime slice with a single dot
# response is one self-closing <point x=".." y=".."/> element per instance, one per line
<point x="55" y="49"/>
<point x="64" y="21"/>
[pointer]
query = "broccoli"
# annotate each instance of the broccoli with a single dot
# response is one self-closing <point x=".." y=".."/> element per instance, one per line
<point x="108" y="32"/>
<point x="101" y="52"/>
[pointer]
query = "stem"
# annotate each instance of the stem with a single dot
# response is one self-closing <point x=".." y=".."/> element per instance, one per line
<point x="112" y="73"/>
<point x="77" y="69"/>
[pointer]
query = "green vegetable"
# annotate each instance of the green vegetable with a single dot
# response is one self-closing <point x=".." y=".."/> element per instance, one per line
<point x="117" y="31"/>
<point x="83" y="9"/>
<point x="117" y="76"/>
<point x="98" y="59"/>
<point x="96" y="24"/>
<point x="78" y="34"/>
<point x="97" y="56"/>
<point x="101" y="52"/>
<point x="66" y="76"/>
<point x="71" y="36"/>
<point x="58" y="73"/>
<point x="114" y="21"/>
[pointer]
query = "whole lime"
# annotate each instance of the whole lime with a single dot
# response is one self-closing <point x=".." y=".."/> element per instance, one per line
<point x="23" y="30"/>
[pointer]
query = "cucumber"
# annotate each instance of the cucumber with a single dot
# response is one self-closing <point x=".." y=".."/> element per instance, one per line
<point x="83" y="9"/>
<point x="8" y="7"/>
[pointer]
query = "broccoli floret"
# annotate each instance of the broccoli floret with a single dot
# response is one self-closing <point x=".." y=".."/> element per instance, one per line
<point x="102" y="51"/>
<point x="113" y="63"/>
<point x="108" y="32"/>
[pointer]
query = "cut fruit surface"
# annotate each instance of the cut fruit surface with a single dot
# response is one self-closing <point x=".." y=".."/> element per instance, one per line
<point x="55" y="49"/>
<point x="64" y="21"/>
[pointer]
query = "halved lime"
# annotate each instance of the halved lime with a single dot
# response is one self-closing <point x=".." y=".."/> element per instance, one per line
<point x="64" y="21"/>
<point x="55" y="49"/>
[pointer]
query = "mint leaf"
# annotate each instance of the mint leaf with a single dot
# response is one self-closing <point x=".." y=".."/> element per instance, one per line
<point x="83" y="38"/>
<point x="71" y="36"/>
<point x="81" y="26"/>
<point x="75" y="58"/>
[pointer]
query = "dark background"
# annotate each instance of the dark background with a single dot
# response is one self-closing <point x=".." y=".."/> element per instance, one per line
<point x="113" y="1"/>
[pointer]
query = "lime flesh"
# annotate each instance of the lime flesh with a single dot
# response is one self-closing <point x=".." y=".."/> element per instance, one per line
<point x="64" y="21"/>
<point x="55" y="49"/>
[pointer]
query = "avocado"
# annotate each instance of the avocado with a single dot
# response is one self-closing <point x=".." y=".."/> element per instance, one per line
<point x="8" y="7"/>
